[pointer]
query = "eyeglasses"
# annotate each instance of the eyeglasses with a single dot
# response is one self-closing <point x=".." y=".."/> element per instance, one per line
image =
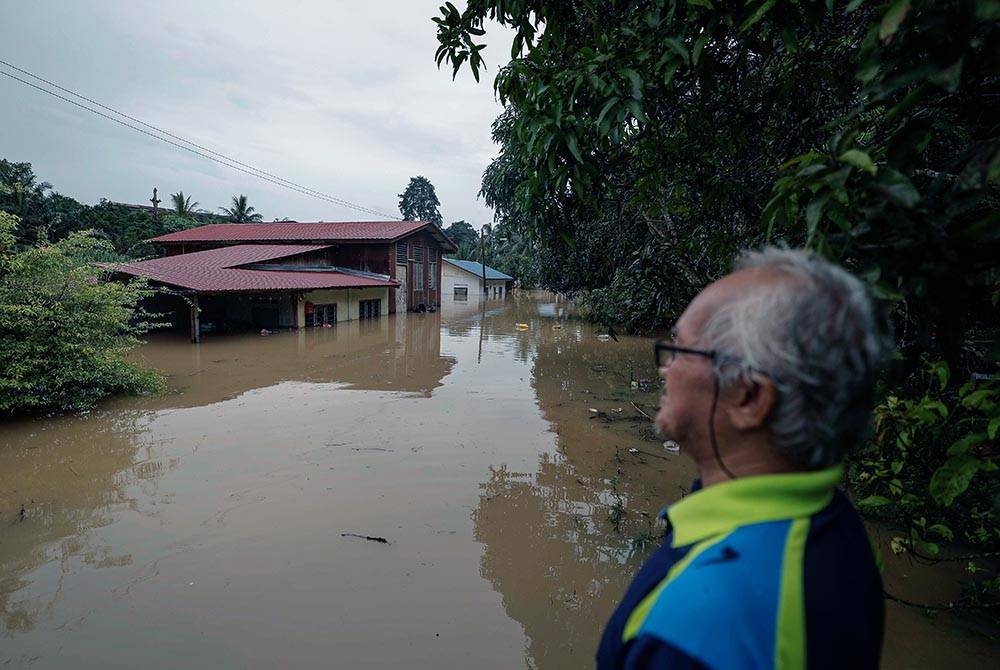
<point x="666" y="353"/>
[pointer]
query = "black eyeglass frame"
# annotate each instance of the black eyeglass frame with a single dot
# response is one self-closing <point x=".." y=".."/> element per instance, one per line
<point x="711" y="354"/>
<point x="665" y="346"/>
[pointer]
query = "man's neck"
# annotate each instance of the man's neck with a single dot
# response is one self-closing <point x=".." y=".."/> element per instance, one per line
<point x="756" y="458"/>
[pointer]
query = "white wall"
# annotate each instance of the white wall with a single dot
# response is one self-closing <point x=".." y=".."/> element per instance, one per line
<point x="454" y="277"/>
<point x="345" y="299"/>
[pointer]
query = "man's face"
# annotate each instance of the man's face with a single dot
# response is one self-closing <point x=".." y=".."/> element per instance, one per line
<point x="689" y="384"/>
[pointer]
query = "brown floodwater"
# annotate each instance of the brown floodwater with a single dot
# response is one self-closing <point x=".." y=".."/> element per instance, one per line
<point x="512" y="473"/>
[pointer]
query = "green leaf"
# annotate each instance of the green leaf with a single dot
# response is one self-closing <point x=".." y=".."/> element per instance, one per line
<point x="604" y="112"/>
<point x="814" y="212"/>
<point x="873" y="501"/>
<point x="942" y="531"/>
<point x="634" y="80"/>
<point x="892" y="18"/>
<point x="699" y="45"/>
<point x="636" y="108"/>
<point x="993" y="428"/>
<point x="988" y="10"/>
<point x="573" y="148"/>
<point x="963" y="445"/>
<point x="764" y="8"/>
<point x="899" y="189"/>
<point x="707" y="4"/>
<point x="952" y="479"/>
<point x="978" y="398"/>
<point x="940" y="368"/>
<point x="677" y="46"/>
<point x="860" y="160"/>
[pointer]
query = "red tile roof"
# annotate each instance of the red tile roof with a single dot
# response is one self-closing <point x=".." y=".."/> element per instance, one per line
<point x="217" y="271"/>
<point x="290" y="232"/>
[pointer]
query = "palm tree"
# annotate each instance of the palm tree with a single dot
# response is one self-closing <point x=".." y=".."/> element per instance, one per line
<point x="183" y="206"/>
<point x="241" y="212"/>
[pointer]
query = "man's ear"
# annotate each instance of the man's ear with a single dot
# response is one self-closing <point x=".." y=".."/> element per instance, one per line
<point x="753" y="400"/>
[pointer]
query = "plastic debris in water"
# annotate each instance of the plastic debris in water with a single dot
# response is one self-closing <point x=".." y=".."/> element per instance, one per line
<point x="672" y="447"/>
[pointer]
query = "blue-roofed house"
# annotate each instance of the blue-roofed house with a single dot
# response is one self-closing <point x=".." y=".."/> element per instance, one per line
<point x="463" y="280"/>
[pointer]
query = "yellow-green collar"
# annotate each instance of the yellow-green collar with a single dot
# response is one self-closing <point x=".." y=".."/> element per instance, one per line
<point x="723" y="507"/>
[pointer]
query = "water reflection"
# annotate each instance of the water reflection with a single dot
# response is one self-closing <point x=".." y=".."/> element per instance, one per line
<point x="561" y="542"/>
<point x="60" y="480"/>
<point x="397" y="352"/>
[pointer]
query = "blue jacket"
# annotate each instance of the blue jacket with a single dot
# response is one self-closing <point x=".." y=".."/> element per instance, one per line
<point x="774" y="571"/>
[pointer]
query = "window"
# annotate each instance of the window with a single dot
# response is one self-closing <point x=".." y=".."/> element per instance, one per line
<point x="401" y="253"/>
<point x="461" y="293"/>
<point x="418" y="254"/>
<point x="432" y="279"/>
<point x="322" y="314"/>
<point x="432" y="254"/>
<point x="369" y="309"/>
<point x="418" y="277"/>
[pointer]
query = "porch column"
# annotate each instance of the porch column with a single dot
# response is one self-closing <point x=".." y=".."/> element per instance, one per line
<point x="195" y="320"/>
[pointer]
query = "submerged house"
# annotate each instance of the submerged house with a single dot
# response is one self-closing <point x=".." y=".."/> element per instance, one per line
<point x="243" y="276"/>
<point x="464" y="279"/>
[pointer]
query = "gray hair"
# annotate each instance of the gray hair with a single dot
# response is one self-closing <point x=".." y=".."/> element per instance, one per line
<point x="818" y="335"/>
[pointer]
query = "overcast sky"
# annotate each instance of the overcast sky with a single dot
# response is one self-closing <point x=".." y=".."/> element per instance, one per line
<point x="342" y="97"/>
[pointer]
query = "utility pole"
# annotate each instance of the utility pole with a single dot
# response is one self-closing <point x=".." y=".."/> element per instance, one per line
<point x="482" y="256"/>
<point x="482" y="316"/>
<point x="156" y="205"/>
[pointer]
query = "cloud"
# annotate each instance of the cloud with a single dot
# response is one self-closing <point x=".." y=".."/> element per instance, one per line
<point x="341" y="97"/>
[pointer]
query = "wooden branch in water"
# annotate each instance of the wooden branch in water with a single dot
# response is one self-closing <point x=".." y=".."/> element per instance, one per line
<point x="639" y="410"/>
<point x="371" y="538"/>
<point x="957" y="605"/>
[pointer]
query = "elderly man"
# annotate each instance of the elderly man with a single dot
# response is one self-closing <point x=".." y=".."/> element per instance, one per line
<point x="768" y="383"/>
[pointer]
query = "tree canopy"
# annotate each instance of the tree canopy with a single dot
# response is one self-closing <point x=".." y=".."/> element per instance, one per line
<point x="241" y="211"/>
<point x="419" y="202"/>
<point x="63" y="329"/>
<point x="47" y="216"/>
<point x="643" y="143"/>
<point x="462" y="232"/>
<point x="183" y="205"/>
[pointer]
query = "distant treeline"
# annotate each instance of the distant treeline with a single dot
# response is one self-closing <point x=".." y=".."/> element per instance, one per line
<point x="48" y="216"/>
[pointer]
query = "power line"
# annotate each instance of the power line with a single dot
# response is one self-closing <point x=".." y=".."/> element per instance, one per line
<point x="326" y="196"/>
<point x="192" y="147"/>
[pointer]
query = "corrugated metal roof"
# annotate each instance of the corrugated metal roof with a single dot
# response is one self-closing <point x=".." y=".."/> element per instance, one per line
<point x="230" y="257"/>
<point x="288" y="232"/>
<point x="217" y="270"/>
<point x="477" y="269"/>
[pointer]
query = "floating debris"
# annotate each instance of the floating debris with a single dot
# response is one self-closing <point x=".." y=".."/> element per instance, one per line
<point x="672" y="447"/>
<point x="370" y="538"/>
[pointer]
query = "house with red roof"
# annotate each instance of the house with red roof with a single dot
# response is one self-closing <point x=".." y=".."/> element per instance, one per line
<point x="244" y="276"/>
